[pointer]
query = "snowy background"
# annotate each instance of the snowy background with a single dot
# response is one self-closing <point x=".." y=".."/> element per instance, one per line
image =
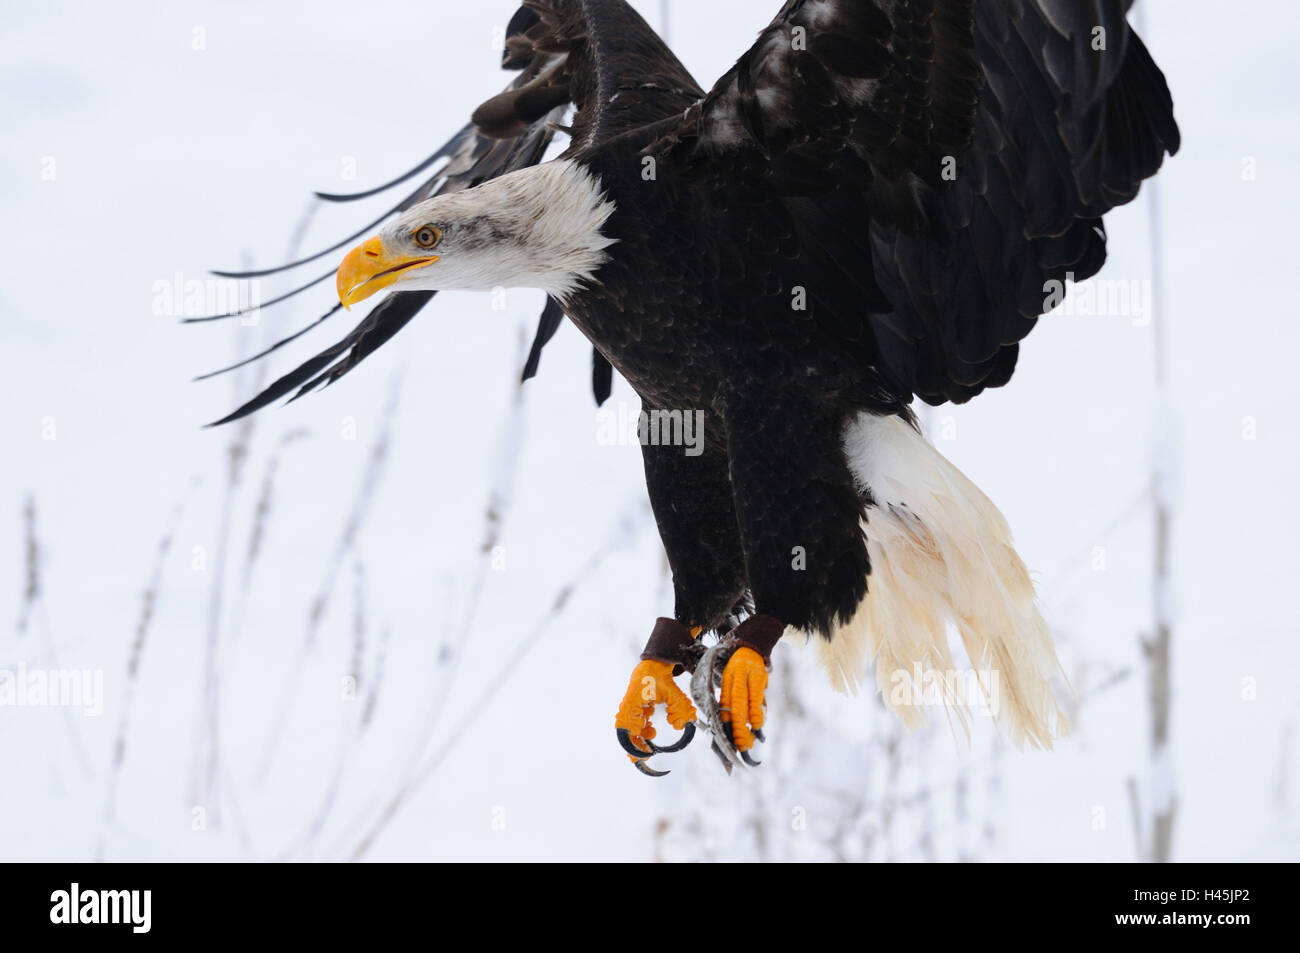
<point x="393" y="621"/>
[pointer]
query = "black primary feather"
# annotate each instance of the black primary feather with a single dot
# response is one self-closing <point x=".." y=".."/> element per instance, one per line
<point x="447" y="149"/>
<point x="547" y="325"/>
<point x="272" y="348"/>
<point x="389" y="317"/>
<point x="602" y="377"/>
<point x="413" y="198"/>
<point x="260" y="305"/>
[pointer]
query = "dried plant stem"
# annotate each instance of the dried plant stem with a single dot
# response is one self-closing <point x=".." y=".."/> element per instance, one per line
<point x="370" y="480"/>
<point x="500" y="500"/>
<point x="31" y="596"/>
<point x="500" y="497"/>
<point x="260" y="526"/>
<point x="206" y="767"/>
<point x="33" y="607"/>
<point x="148" y="607"/>
<point x="206" y="771"/>
<point x="1281" y="787"/>
<point x="353" y="730"/>
<point x="1162" y="795"/>
<point x="628" y="530"/>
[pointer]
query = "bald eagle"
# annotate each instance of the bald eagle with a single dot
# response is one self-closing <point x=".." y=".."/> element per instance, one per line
<point x="869" y="208"/>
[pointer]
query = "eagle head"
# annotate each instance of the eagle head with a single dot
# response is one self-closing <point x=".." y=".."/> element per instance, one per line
<point x="539" y="227"/>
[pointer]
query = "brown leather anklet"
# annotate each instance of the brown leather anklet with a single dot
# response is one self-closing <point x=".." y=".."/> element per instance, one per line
<point x="674" y="643"/>
<point x="760" y="633"/>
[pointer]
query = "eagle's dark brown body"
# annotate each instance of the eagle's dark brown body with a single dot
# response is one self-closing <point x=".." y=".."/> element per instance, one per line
<point x="737" y="329"/>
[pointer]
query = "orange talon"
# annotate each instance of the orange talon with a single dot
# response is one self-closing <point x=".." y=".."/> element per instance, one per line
<point x="651" y="684"/>
<point x="744" y="682"/>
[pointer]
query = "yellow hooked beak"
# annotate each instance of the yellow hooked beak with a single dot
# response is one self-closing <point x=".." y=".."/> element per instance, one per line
<point x="367" y="269"/>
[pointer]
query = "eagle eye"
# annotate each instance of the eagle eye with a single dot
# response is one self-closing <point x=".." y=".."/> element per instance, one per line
<point x="427" y="236"/>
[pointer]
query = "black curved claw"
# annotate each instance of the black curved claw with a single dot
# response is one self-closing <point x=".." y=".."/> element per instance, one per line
<point x="625" y="739"/>
<point x="758" y="733"/>
<point x="649" y="771"/>
<point x="688" y="735"/>
<point x="745" y="756"/>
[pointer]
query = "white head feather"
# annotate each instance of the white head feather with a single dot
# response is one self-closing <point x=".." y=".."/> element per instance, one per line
<point x="539" y="227"/>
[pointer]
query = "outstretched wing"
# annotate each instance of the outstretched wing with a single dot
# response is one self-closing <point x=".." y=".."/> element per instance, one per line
<point x="957" y="155"/>
<point x="568" y="53"/>
<point x="602" y="57"/>
<point x="868" y="95"/>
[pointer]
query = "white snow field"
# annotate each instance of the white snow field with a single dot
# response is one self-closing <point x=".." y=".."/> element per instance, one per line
<point x="397" y="719"/>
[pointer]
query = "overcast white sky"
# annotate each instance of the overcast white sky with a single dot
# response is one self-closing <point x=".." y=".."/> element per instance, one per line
<point x="168" y="159"/>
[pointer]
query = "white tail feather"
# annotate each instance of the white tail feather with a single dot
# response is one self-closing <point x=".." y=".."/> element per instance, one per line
<point x="941" y="554"/>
